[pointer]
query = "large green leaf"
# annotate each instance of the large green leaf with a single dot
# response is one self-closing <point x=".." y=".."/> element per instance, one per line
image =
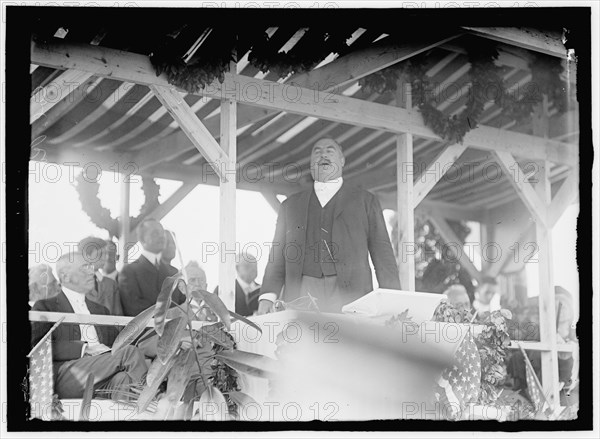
<point x="205" y="355"/>
<point x="182" y="412"/>
<point x="215" y="304"/>
<point x="163" y="301"/>
<point x="241" y="318"/>
<point x="215" y="334"/>
<point x="242" y="399"/>
<point x="86" y="402"/>
<point x="133" y="329"/>
<point x="168" y="342"/>
<point x="213" y="406"/>
<point x="179" y="375"/>
<point x="156" y="374"/>
<point x="253" y="364"/>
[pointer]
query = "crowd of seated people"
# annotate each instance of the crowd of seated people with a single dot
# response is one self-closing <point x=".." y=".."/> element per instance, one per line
<point x="87" y="282"/>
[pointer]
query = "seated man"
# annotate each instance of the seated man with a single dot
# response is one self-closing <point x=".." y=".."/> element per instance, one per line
<point x="457" y="296"/>
<point x="140" y="282"/>
<point x="102" y="254"/>
<point x="247" y="290"/>
<point x="80" y="350"/>
<point x="42" y="283"/>
<point x="486" y="297"/>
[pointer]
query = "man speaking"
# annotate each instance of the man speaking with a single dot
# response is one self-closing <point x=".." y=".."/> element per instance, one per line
<point x="323" y="240"/>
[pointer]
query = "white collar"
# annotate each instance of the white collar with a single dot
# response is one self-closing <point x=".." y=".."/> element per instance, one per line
<point x="73" y="296"/>
<point x="329" y="185"/>
<point x="326" y="190"/>
<point x="152" y="257"/>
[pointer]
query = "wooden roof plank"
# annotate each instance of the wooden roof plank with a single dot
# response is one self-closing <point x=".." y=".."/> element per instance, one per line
<point x="137" y="68"/>
<point x="46" y="97"/>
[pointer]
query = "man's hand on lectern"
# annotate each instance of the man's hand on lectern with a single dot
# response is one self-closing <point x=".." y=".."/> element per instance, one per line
<point x="264" y="307"/>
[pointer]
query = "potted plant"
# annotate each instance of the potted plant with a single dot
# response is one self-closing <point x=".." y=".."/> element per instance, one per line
<point x="195" y="373"/>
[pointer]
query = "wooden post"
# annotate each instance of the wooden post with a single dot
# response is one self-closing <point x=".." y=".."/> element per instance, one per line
<point x="124" y="237"/>
<point x="486" y="235"/>
<point x="405" y="205"/>
<point x="543" y="235"/>
<point x="227" y="212"/>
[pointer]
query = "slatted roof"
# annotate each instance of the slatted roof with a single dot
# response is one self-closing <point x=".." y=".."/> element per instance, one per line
<point x="113" y="118"/>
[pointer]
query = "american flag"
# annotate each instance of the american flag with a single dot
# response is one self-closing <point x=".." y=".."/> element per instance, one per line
<point x="41" y="381"/>
<point x="534" y="388"/>
<point x="462" y="381"/>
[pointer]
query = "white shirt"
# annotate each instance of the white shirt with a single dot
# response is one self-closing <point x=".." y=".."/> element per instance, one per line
<point x="247" y="287"/>
<point x="77" y="301"/>
<point x="326" y="190"/>
<point x="154" y="258"/>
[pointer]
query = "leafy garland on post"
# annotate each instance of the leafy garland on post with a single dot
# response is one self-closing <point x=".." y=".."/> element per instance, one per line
<point x="486" y="84"/>
<point x="101" y="216"/>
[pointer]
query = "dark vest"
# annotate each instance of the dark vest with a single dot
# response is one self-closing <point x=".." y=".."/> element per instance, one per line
<point x="319" y="251"/>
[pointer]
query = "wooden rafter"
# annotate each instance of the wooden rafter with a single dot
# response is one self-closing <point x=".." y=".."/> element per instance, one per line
<point x="271" y="198"/>
<point x="62" y="107"/>
<point x="363" y="62"/>
<point x="517" y="236"/>
<point x="524" y="189"/>
<point x="45" y="98"/>
<point x="274" y="96"/>
<point x="193" y="128"/>
<point x="436" y="170"/>
<point x="565" y="196"/>
<point x="165" y="207"/>
<point x="451" y="240"/>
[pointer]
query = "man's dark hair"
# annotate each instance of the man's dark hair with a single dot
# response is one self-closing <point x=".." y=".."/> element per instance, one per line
<point x="141" y="227"/>
<point x="90" y="244"/>
<point x="489" y="280"/>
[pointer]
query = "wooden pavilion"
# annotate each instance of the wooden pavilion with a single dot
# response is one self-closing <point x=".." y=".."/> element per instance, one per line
<point x="97" y="99"/>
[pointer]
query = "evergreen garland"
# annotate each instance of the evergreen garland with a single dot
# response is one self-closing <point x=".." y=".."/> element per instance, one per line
<point x="101" y="216"/>
<point x="211" y="60"/>
<point x="486" y="84"/>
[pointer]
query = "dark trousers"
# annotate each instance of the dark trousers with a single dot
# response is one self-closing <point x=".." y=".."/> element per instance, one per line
<point x="324" y="289"/>
<point x="111" y="373"/>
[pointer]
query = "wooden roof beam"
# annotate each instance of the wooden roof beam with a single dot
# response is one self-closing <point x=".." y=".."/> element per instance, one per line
<point x="284" y="97"/>
<point x="335" y="75"/>
<point x="549" y="43"/>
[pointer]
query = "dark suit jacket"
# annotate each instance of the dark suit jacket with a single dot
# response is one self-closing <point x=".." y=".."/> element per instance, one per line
<point x="242" y="306"/>
<point x="66" y="339"/>
<point x="107" y="294"/>
<point x="358" y="230"/>
<point x="140" y="283"/>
